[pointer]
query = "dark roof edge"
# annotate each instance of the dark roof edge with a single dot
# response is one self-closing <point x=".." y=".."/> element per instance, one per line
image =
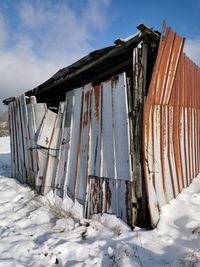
<point x="79" y="67"/>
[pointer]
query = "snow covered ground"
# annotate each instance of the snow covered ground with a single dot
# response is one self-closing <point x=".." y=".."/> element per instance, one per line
<point x="36" y="231"/>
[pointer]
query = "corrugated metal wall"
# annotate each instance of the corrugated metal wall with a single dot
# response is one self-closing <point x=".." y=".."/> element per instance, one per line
<point x="82" y="151"/>
<point x="171" y="125"/>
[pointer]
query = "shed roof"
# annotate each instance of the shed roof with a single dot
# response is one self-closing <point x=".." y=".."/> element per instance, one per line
<point x="96" y="65"/>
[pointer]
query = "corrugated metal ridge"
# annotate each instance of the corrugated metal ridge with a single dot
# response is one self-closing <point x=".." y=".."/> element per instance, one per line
<point x="162" y="80"/>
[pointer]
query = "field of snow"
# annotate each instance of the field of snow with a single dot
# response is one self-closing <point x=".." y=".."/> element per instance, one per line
<point x="43" y="231"/>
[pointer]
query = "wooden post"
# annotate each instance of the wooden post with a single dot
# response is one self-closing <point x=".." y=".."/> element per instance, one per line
<point x="138" y="94"/>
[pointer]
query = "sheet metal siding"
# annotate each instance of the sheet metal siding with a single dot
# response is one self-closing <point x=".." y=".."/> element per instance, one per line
<point x="83" y="151"/>
<point x="75" y="117"/>
<point x="171" y="125"/>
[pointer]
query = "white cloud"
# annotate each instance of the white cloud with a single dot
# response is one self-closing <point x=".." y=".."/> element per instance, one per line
<point x="22" y="71"/>
<point x="46" y="39"/>
<point x="192" y="49"/>
<point x="96" y="13"/>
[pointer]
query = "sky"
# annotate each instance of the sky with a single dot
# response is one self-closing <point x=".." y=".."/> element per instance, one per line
<point x="38" y="37"/>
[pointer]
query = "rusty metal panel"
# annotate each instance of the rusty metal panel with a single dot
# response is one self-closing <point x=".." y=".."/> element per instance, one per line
<point x="182" y="139"/>
<point x="171" y="155"/>
<point x="82" y="172"/>
<point x="112" y="196"/>
<point x="95" y="131"/>
<point x="171" y="125"/>
<point x="149" y="167"/>
<point x="165" y="161"/>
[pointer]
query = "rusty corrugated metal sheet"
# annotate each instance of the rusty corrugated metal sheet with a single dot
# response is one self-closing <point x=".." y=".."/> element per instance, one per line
<point x="171" y="124"/>
<point x="82" y="152"/>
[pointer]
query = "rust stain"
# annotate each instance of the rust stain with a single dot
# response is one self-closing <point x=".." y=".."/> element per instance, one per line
<point x="114" y="81"/>
<point x="86" y="113"/>
<point x="96" y="91"/>
<point x="46" y="140"/>
<point x="108" y="194"/>
<point x="79" y="145"/>
<point x="128" y="186"/>
<point x="163" y="133"/>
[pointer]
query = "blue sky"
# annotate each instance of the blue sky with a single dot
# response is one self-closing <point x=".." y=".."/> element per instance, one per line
<point x="39" y="37"/>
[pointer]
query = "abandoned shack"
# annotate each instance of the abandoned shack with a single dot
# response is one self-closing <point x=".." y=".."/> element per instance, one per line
<point x="118" y="131"/>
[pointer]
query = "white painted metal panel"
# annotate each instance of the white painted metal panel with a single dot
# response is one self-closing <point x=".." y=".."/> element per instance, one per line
<point x="42" y="162"/>
<point x="74" y="144"/>
<point x="39" y="110"/>
<point x="49" y="137"/>
<point x="45" y="135"/>
<point x="64" y="146"/>
<point x="18" y="143"/>
<point x="57" y="131"/>
<point x="121" y="127"/>
<point x="32" y="143"/>
<point x="14" y="140"/>
<point x="107" y="155"/>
